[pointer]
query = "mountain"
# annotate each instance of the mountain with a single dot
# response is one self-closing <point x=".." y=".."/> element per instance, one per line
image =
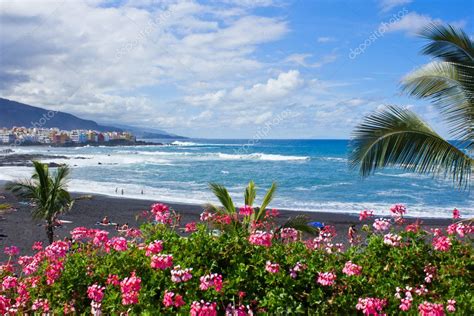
<point x="14" y="113"/>
<point x="148" y="133"/>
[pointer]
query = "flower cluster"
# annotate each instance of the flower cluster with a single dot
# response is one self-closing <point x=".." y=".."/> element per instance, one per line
<point x="272" y="267"/>
<point x="246" y="210"/>
<point x="351" y="269"/>
<point x="430" y="309"/>
<point x="299" y="267"/>
<point x="162" y="262"/>
<point x="190" y="227"/>
<point x="212" y="280"/>
<point x="393" y="240"/>
<point x="95" y="293"/>
<point x="365" y="214"/>
<point x="371" y="305"/>
<point x="442" y="243"/>
<point x="326" y="278"/>
<point x="171" y="299"/>
<point x="130" y="289"/>
<point x="288" y="234"/>
<point x="261" y="238"/>
<point x="381" y="224"/>
<point x="154" y="247"/>
<point x="203" y="308"/>
<point x="179" y="275"/>
<point x="162" y="213"/>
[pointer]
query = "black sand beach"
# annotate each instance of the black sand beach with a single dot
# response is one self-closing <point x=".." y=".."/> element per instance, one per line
<point x="17" y="228"/>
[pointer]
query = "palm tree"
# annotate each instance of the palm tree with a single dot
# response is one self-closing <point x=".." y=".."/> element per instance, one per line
<point x="299" y="222"/>
<point x="396" y="136"/>
<point x="48" y="193"/>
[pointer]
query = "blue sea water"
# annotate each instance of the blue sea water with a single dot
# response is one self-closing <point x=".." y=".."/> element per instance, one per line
<point x="311" y="175"/>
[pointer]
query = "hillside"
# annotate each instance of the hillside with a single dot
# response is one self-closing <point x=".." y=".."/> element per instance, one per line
<point x="14" y="113"/>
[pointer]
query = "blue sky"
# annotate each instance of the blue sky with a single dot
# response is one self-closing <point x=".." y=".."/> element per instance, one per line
<point x="220" y="69"/>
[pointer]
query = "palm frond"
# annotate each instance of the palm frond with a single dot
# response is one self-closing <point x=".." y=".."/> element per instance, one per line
<point x="266" y="201"/>
<point x="250" y="193"/>
<point x="398" y="137"/>
<point x="451" y="88"/>
<point x="301" y="223"/>
<point x="268" y="196"/>
<point x="448" y="43"/>
<point x="223" y="196"/>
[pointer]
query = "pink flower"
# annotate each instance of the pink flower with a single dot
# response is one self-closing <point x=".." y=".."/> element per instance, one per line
<point x="371" y="305"/>
<point x="154" y="247"/>
<point x="162" y="213"/>
<point x="288" y="234"/>
<point x="53" y="271"/>
<point x="405" y="304"/>
<point x="430" y="309"/>
<point x="40" y="304"/>
<point x="272" y="267"/>
<point x="398" y="210"/>
<point x="246" y="210"/>
<point x="95" y="293"/>
<point x="381" y="224"/>
<point x="299" y="267"/>
<point x="261" y="238"/>
<point x="179" y="275"/>
<point x="203" y="309"/>
<point x="118" y="243"/>
<point x="441" y="243"/>
<point x="365" y="214"/>
<point x="100" y="237"/>
<point x="213" y="280"/>
<point x="9" y="282"/>
<point x="190" y="227"/>
<point x="460" y="229"/>
<point x="456" y="214"/>
<point x="326" y="278"/>
<point x="5" y="305"/>
<point x="171" y="299"/>
<point x="393" y="240"/>
<point x="133" y="233"/>
<point x="12" y="251"/>
<point x="451" y="306"/>
<point x="161" y="262"/>
<point x="80" y="233"/>
<point x="242" y="310"/>
<point x="430" y="273"/>
<point x="38" y="246"/>
<point x="113" y="280"/>
<point x="351" y="269"/>
<point x="205" y="216"/>
<point x="130" y="288"/>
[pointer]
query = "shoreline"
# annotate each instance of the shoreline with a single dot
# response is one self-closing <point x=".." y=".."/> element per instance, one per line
<point x="17" y="228"/>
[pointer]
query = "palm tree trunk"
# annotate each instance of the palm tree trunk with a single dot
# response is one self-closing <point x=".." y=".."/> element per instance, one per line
<point x="50" y="232"/>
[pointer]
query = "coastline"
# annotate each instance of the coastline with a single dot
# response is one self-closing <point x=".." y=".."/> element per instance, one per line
<point x="17" y="228"/>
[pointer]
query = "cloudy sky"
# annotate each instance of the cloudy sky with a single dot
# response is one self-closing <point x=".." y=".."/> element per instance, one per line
<point x="219" y="69"/>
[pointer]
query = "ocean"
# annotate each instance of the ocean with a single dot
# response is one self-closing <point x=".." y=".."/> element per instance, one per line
<point x="312" y="175"/>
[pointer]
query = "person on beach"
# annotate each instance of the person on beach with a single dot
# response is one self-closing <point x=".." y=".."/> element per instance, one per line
<point x="352" y="234"/>
<point x="122" y="191"/>
<point x="116" y="190"/>
<point x="105" y="221"/>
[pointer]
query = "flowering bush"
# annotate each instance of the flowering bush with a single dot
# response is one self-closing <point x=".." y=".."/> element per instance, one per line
<point x="397" y="267"/>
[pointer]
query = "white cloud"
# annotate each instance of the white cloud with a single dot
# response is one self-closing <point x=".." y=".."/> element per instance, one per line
<point x="387" y="5"/>
<point x="325" y="39"/>
<point x="241" y="97"/>
<point x="93" y="60"/>
<point x="301" y="60"/>
<point x="411" y="23"/>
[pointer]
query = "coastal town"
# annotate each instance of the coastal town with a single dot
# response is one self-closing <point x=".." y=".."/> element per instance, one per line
<point x="57" y="137"/>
